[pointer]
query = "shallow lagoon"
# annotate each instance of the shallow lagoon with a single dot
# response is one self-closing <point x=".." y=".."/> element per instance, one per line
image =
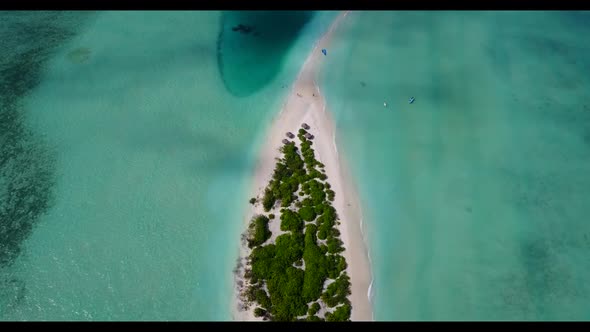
<point x="475" y="196"/>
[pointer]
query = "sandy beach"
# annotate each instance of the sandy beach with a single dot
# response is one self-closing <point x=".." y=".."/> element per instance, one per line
<point x="305" y="103"/>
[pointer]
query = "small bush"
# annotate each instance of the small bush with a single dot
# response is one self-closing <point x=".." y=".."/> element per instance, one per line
<point x="251" y="293"/>
<point x="268" y="200"/>
<point x="335" y="232"/>
<point x="259" y="312"/>
<point x="313" y="309"/>
<point x="319" y="209"/>
<point x="322" y="234"/>
<point x="252" y="200"/>
<point x="337" y="291"/>
<point x="271" y="216"/>
<point x="262" y="298"/>
<point x="307" y="213"/>
<point x="334" y="245"/>
<point x="307" y="202"/>
<point x="335" y="264"/>
<point x="291" y="221"/>
<point x="341" y="314"/>
<point x="331" y="194"/>
<point x="258" y="231"/>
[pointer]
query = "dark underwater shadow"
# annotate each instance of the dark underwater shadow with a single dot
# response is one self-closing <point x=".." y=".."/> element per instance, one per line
<point x="252" y="45"/>
<point x="26" y="160"/>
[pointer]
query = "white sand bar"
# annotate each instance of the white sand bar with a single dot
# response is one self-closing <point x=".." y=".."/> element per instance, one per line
<point x="306" y="104"/>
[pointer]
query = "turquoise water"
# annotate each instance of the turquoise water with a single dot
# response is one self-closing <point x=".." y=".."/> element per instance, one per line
<point x="127" y="146"/>
<point x="476" y="196"/>
<point x="240" y="54"/>
<point x="137" y="161"/>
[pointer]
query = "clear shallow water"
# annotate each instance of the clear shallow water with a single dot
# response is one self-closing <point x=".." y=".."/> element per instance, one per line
<point x="126" y="146"/>
<point x="151" y="158"/>
<point x="476" y="196"/>
<point x="26" y="161"/>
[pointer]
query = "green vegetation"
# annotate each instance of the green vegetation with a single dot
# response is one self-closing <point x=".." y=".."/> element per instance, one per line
<point x="314" y="319"/>
<point x="258" y="231"/>
<point x="288" y="174"/>
<point x="315" y="272"/>
<point x="330" y="194"/>
<point x="262" y="298"/>
<point x="319" y="209"/>
<point x="334" y="245"/>
<point x="288" y="274"/>
<point x="335" y="264"/>
<point x="291" y="221"/>
<point x="259" y="312"/>
<point x="341" y="314"/>
<point x="337" y="291"/>
<point x="307" y="213"/>
<point x="313" y="309"/>
<point x="252" y="200"/>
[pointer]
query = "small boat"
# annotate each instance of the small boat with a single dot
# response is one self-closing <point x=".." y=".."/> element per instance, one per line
<point x="412" y="99"/>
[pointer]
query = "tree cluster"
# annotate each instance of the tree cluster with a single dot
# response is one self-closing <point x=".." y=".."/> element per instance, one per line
<point x="296" y="267"/>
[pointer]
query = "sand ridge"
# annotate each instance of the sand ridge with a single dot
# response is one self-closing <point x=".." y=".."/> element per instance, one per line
<point x="306" y="104"/>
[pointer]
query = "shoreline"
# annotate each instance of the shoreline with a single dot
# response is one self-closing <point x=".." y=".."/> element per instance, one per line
<point x="305" y="103"/>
